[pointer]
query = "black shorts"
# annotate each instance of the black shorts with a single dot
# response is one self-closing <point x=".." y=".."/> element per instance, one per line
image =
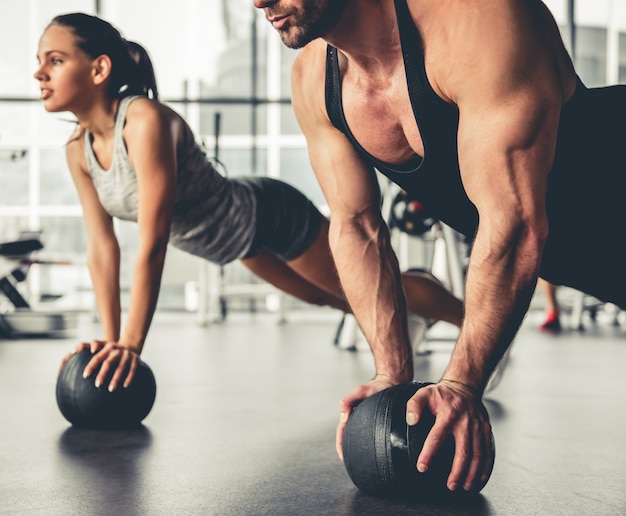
<point x="287" y="222"/>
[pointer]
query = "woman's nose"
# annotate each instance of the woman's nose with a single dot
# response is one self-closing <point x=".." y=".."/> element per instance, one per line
<point x="39" y="73"/>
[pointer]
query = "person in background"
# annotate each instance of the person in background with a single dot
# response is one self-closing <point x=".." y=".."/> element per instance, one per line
<point x="552" y="309"/>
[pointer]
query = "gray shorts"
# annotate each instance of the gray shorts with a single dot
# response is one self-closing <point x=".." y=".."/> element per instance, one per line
<point x="287" y="222"/>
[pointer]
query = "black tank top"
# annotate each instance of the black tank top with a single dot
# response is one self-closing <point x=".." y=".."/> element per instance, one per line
<point x="435" y="180"/>
<point x="586" y="186"/>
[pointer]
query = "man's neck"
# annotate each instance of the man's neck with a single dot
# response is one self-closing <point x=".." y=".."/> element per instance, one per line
<point x="367" y="35"/>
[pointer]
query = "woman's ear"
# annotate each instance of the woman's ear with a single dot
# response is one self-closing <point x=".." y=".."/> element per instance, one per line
<point x="101" y="69"/>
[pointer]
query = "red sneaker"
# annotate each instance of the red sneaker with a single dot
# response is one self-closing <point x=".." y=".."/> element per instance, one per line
<point x="552" y="322"/>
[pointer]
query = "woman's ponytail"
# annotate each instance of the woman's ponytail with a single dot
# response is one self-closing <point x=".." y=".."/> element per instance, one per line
<point x="144" y="77"/>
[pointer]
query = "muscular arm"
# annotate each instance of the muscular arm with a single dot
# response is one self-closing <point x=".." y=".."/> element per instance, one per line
<point x="359" y="237"/>
<point x="509" y="97"/>
<point x="367" y="266"/>
<point x="506" y="178"/>
<point x="509" y="102"/>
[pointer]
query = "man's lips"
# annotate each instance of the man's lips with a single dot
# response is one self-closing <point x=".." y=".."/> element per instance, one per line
<point x="278" y="22"/>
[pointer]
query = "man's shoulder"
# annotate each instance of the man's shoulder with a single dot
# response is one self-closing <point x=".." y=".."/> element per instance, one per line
<point x="312" y="54"/>
<point x="310" y="62"/>
<point x="308" y="78"/>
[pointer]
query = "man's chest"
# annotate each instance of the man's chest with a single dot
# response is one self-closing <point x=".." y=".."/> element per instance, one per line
<point x="382" y="120"/>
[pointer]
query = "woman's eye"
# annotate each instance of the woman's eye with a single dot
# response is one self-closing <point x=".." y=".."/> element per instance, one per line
<point x="55" y="61"/>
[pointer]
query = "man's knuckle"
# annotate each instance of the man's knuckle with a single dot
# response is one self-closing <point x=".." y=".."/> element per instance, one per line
<point x="463" y="453"/>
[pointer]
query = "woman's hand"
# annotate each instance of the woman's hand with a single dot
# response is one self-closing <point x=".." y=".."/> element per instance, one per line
<point x="112" y="357"/>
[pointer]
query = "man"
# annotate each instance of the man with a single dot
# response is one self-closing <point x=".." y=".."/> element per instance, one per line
<point x="475" y="108"/>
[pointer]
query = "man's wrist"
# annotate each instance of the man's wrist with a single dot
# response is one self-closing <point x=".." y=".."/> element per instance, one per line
<point x="462" y="386"/>
<point x="465" y="371"/>
<point x="395" y="377"/>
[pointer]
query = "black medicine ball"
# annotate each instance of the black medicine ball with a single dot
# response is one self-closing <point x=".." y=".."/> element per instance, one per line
<point x="380" y="450"/>
<point x="86" y="406"/>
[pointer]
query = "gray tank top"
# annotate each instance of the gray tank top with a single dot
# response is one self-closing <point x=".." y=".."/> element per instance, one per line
<point x="214" y="217"/>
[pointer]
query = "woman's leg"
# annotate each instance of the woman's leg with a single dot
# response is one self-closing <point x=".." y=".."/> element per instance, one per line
<point x="275" y="271"/>
<point x="312" y="277"/>
<point x="316" y="264"/>
<point x="427" y="297"/>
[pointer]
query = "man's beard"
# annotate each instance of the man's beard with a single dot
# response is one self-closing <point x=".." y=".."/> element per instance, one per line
<point x="318" y="17"/>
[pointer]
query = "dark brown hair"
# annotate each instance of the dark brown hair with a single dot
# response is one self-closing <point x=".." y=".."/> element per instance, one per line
<point x="132" y="72"/>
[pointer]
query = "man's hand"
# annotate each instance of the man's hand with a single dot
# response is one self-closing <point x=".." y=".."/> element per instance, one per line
<point x="459" y="412"/>
<point x="348" y="403"/>
<point x="111" y="356"/>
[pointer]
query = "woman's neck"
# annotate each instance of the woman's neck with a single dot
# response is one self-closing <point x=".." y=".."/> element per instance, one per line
<point x="99" y="118"/>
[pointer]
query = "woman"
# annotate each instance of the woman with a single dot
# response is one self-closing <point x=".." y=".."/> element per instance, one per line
<point x="134" y="158"/>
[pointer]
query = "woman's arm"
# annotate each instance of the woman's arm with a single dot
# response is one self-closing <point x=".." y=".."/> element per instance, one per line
<point x="103" y="254"/>
<point x="150" y="135"/>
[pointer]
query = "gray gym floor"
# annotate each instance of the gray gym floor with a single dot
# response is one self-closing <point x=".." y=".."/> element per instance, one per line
<point x="245" y="415"/>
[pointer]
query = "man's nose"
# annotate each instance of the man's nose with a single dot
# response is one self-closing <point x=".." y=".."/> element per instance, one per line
<point x="262" y="4"/>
